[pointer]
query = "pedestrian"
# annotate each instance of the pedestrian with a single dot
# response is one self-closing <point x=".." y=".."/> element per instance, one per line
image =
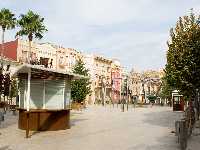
<point x="51" y="64"/>
<point x="135" y="102"/>
<point x="152" y="102"/>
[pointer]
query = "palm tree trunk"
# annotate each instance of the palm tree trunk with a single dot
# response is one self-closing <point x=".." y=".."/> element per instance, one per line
<point x="30" y="38"/>
<point x="2" y="49"/>
<point x="29" y="52"/>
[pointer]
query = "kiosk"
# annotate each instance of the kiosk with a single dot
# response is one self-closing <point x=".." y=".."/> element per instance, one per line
<point x="44" y="98"/>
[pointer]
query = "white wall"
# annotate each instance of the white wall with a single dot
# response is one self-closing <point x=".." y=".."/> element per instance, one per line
<point x="46" y="94"/>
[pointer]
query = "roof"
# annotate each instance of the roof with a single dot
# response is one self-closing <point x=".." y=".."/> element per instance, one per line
<point x="101" y="58"/>
<point x="25" y="68"/>
<point x="9" y="61"/>
<point x="10" y="49"/>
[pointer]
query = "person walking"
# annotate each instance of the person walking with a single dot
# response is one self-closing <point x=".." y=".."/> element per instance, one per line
<point x="135" y="102"/>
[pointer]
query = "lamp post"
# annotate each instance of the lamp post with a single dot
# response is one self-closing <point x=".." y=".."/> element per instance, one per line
<point x="127" y="92"/>
<point x="103" y="88"/>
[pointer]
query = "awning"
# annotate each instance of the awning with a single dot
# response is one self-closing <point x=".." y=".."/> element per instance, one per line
<point x="25" y="68"/>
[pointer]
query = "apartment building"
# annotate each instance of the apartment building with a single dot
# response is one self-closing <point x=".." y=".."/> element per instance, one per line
<point x="89" y="61"/>
<point x="47" y="54"/>
<point x="135" y="84"/>
<point x="116" y="74"/>
<point x="101" y="77"/>
<point x="105" y="73"/>
<point x="144" y="84"/>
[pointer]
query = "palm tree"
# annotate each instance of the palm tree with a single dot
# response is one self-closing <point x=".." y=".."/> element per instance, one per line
<point x="7" y="21"/>
<point x="32" y="26"/>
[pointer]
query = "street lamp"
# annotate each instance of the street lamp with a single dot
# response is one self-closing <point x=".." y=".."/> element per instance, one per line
<point x="103" y="88"/>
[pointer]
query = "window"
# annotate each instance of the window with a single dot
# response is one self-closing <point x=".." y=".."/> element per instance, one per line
<point x="176" y="100"/>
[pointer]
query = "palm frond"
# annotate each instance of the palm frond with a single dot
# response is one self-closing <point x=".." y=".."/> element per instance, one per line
<point x="31" y="24"/>
<point x="7" y="19"/>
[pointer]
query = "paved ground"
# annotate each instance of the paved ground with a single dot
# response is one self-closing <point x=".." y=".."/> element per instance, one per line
<point x="100" y="128"/>
<point x="194" y="141"/>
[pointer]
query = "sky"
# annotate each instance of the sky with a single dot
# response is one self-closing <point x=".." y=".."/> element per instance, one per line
<point x="132" y="31"/>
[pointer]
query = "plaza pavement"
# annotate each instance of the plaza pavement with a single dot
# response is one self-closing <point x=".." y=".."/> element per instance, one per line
<point x="100" y="128"/>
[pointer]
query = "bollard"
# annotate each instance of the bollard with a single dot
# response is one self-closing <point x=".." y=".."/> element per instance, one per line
<point x="14" y="112"/>
<point x="122" y="107"/>
<point x="4" y="110"/>
<point x="1" y="116"/>
<point x="177" y="128"/>
<point x="183" y="134"/>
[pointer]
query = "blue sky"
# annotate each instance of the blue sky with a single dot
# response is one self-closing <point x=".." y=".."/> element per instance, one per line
<point x="133" y="31"/>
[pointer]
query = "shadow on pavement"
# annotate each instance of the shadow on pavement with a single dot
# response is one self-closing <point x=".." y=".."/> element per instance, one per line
<point x="76" y="113"/>
<point x="169" y="142"/>
<point x="73" y="122"/>
<point x="9" y="120"/>
<point x="5" y="148"/>
<point x="162" y="118"/>
<point x="162" y="143"/>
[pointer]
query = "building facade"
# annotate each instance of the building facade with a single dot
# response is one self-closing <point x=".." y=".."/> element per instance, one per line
<point x="47" y="54"/>
<point x="135" y="84"/>
<point x="105" y="74"/>
<point x="105" y="78"/>
<point x="116" y="75"/>
<point x="144" y="84"/>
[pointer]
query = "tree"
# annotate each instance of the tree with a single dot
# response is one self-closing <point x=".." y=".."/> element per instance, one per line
<point x="7" y="21"/>
<point x="13" y="89"/>
<point x="80" y="88"/>
<point x="183" y="61"/>
<point x="32" y="25"/>
<point x="165" y="89"/>
<point x="152" y="97"/>
<point x="6" y="85"/>
<point x="1" y="81"/>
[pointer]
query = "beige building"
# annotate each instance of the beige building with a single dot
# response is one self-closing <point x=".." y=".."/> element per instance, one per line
<point x="152" y="81"/>
<point x="60" y="58"/>
<point x="100" y="73"/>
<point x="103" y="79"/>
<point x="90" y="65"/>
<point x="135" y="84"/>
<point x="47" y="54"/>
<point x="145" y="83"/>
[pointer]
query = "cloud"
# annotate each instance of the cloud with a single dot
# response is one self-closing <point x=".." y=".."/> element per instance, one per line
<point x="134" y="31"/>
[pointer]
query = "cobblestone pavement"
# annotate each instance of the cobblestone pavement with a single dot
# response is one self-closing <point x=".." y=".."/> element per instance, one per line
<point x="100" y="128"/>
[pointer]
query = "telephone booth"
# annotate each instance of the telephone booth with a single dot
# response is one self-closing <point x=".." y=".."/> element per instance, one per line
<point x="177" y="100"/>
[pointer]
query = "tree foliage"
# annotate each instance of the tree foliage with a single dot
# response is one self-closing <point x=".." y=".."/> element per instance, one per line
<point x="7" y="19"/>
<point x="13" y="88"/>
<point x="183" y="61"/>
<point x="80" y="88"/>
<point x="1" y="81"/>
<point x="32" y="25"/>
<point x="8" y="86"/>
<point x="165" y="90"/>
